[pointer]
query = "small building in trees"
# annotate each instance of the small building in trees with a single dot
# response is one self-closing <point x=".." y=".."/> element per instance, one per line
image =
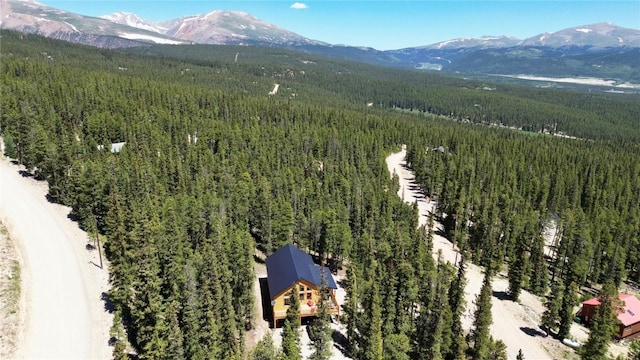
<point x="114" y="147"/>
<point x="289" y="269"/>
<point x="628" y="316"/>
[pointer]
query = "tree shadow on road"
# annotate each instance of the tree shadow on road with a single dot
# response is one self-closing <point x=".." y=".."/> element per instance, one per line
<point x="340" y="342"/>
<point x="532" y="332"/>
<point x="501" y="295"/>
<point x="108" y="305"/>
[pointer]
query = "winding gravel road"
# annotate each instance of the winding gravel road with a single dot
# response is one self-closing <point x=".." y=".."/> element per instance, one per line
<point x="65" y="317"/>
<point x="514" y="323"/>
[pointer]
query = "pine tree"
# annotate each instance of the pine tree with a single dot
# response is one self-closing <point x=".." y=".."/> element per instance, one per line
<point x="520" y="355"/>
<point x="396" y="347"/>
<point x="118" y="337"/>
<point x="516" y="269"/>
<point x="566" y="310"/>
<point x="265" y="349"/>
<point x="372" y="338"/>
<point x="351" y="312"/>
<point x="119" y="350"/>
<point x="457" y="306"/>
<point x="497" y="350"/>
<point x="539" y="275"/>
<point x="603" y="325"/>
<point x="321" y="326"/>
<point x="439" y="333"/>
<point x="551" y="315"/>
<point x="290" y="330"/>
<point x="175" y="348"/>
<point x="482" y="321"/>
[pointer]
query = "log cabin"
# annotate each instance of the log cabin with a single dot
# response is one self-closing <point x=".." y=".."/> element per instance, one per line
<point x="289" y="269"/>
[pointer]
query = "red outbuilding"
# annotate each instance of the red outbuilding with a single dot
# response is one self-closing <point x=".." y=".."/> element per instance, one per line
<point x="629" y="317"/>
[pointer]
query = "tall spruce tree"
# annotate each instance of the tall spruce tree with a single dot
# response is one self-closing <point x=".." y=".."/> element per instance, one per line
<point x="351" y="311"/>
<point x="321" y="326"/>
<point x="566" y="314"/>
<point x="457" y="305"/>
<point x="373" y="338"/>
<point x="291" y="328"/>
<point x="551" y="315"/>
<point x="517" y="269"/>
<point x="439" y="318"/>
<point x="482" y="320"/>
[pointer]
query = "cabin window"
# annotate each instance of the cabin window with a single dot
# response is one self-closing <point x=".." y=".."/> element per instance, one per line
<point x="302" y="296"/>
<point x="309" y="295"/>
<point x="301" y="288"/>
<point x="287" y="301"/>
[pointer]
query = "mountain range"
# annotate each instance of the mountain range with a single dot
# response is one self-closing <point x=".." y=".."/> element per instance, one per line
<point x="598" y="50"/>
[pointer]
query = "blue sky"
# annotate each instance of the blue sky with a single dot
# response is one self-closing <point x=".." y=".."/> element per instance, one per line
<point x="388" y="24"/>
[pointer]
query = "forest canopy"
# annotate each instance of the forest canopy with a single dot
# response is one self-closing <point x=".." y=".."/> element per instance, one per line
<point x="214" y="168"/>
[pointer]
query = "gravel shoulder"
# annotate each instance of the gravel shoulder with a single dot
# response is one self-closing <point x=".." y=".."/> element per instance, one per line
<point x="10" y="294"/>
<point x="64" y="314"/>
<point x="516" y="324"/>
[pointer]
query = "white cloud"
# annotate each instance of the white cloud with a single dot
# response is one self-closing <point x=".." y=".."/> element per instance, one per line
<point x="299" y="6"/>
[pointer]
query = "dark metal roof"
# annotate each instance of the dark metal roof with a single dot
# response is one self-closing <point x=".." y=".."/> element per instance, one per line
<point x="288" y="265"/>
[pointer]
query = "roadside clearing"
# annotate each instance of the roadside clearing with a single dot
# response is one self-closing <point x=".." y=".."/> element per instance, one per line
<point x="10" y="293"/>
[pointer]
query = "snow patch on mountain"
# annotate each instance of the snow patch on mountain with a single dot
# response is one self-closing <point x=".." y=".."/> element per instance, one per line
<point x="71" y="26"/>
<point x="155" y="39"/>
<point x="484" y="41"/>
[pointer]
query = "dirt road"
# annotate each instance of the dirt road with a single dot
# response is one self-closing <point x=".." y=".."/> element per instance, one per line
<point x="515" y="324"/>
<point x="65" y="316"/>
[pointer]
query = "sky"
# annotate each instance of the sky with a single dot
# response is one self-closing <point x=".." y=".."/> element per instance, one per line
<point x="386" y="25"/>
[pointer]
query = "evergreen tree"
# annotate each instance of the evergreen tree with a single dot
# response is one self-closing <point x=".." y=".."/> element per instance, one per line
<point x="566" y="313"/>
<point x="497" y="350"/>
<point x="520" y="355"/>
<point x="321" y="326"/>
<point x="175" y="348"/>
<point x="516" y="270"/>
<point x="119" y="350"/>
<point x="539" y="275"/>
<point x="351" y="313"/>
<point x="396" y="347"/>
<point x="457" y="306"/>
<point x="551" y="315"/>
<point x="265" y="349"/>
<point x="290" y="330"/>
<point x="372" y="338"/>
<point x="439" y="334"/>
<point x="482" y="321"/>
<point x="118" y="337"/>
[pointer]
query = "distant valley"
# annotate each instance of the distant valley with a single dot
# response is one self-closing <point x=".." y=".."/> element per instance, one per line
<point x="607" y="53"/>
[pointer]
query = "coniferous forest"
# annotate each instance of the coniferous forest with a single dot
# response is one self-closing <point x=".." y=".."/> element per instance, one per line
<point x="214" y="168"/>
